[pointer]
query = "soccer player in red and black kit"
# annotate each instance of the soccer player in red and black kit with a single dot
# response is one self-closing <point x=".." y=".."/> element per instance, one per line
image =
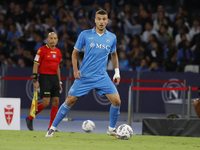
<point x="47" y="59"/>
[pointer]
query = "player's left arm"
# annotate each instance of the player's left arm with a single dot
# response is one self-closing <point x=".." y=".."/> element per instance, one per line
<point x="115" y="61"/>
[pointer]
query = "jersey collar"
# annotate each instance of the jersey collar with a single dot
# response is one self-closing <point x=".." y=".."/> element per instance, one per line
<point x="93" y="30"/>
<point x="49" y="47"/>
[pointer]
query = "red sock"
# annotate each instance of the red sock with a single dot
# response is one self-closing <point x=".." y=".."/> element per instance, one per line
<point x="54" y="110"/>
<point x="40" y="108"/>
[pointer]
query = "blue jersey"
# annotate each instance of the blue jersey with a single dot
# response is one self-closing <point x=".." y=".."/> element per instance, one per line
<point x="97" y="49"/>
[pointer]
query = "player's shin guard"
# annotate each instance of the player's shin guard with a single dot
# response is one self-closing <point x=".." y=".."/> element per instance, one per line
<point x="62" y="112"/>
<point x="114" y="115"/>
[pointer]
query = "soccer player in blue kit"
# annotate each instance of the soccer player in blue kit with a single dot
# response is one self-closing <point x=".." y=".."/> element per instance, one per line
<point x="99" y="43"/>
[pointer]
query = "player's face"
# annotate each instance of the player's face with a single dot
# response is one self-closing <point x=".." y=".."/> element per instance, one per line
<point x="101" y="22"/>
<point x="52" y="39"/>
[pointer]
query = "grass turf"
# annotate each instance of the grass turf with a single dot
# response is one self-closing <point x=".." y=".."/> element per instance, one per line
<point x="36" y="140"/>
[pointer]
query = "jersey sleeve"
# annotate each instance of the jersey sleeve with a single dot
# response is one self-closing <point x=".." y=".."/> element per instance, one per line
<point x="113" y="48"/>
<point x="80" y="42"/>
<point x="38" y="56"/>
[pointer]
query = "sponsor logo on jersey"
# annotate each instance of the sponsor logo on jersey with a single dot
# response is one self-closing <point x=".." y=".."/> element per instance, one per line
<point x="90" y="38"/>
<point x="100" y="46"/>
<point x="53" y="52"/>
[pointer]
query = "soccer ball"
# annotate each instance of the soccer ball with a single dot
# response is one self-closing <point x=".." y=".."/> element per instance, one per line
<point x="124" y="132"/>
<point x="88" y="126"/>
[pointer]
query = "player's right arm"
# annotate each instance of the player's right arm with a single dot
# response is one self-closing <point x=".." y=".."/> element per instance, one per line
<point x="77" y="73"/>
<point x="77" y="48"/>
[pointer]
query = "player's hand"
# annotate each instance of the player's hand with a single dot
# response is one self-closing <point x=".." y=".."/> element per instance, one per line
<point x="117" y="80"/>
<point x="36" y="85"/>
<point x="77" y="74"/>
<point x="116" y="76"/>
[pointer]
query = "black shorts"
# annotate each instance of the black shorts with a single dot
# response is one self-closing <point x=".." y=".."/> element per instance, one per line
<point x="49" y="85"/>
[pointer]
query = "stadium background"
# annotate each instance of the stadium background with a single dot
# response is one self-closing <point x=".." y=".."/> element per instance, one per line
<point x="174" y="34"/>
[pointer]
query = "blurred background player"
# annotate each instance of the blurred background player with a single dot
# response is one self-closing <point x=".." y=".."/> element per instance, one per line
<point x="47" y="59"/>
<point x="99" y="43"/>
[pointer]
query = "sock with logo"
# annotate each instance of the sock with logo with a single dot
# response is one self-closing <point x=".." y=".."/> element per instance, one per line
<point x="114" y="115"/>
<point x="40" y="108"/>
<point x="54" y="110"/>
<point x="62" y="112"/>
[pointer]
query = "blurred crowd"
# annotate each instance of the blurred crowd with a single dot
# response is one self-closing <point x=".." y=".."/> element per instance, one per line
<point x="146" y="41"/>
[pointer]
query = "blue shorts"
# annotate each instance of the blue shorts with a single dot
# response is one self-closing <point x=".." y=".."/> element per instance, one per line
<point x="103" y="85"/>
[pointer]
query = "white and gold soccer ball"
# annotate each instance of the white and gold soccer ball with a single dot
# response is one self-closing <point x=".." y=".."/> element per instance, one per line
<point x="124" y="132"/>
<point x="88" y="126"/>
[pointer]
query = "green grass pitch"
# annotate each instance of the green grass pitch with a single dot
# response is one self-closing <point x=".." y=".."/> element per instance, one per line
<point x="36" y="140"/>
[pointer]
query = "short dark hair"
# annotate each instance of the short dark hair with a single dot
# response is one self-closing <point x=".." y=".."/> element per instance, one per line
<point x="101" y="12"/>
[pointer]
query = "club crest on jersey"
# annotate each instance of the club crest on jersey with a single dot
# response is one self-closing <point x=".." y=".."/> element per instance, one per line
<point x="54" y="56"/>
<point x="107" y="40"/>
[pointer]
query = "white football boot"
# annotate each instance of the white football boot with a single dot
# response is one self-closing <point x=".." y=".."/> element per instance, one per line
<point x="51" y="132"/>
<point x="112" y="132"/>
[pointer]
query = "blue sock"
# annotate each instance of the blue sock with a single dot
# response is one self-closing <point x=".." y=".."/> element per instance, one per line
<point x="114" y="114"/>
<point x="62" y="112"/>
